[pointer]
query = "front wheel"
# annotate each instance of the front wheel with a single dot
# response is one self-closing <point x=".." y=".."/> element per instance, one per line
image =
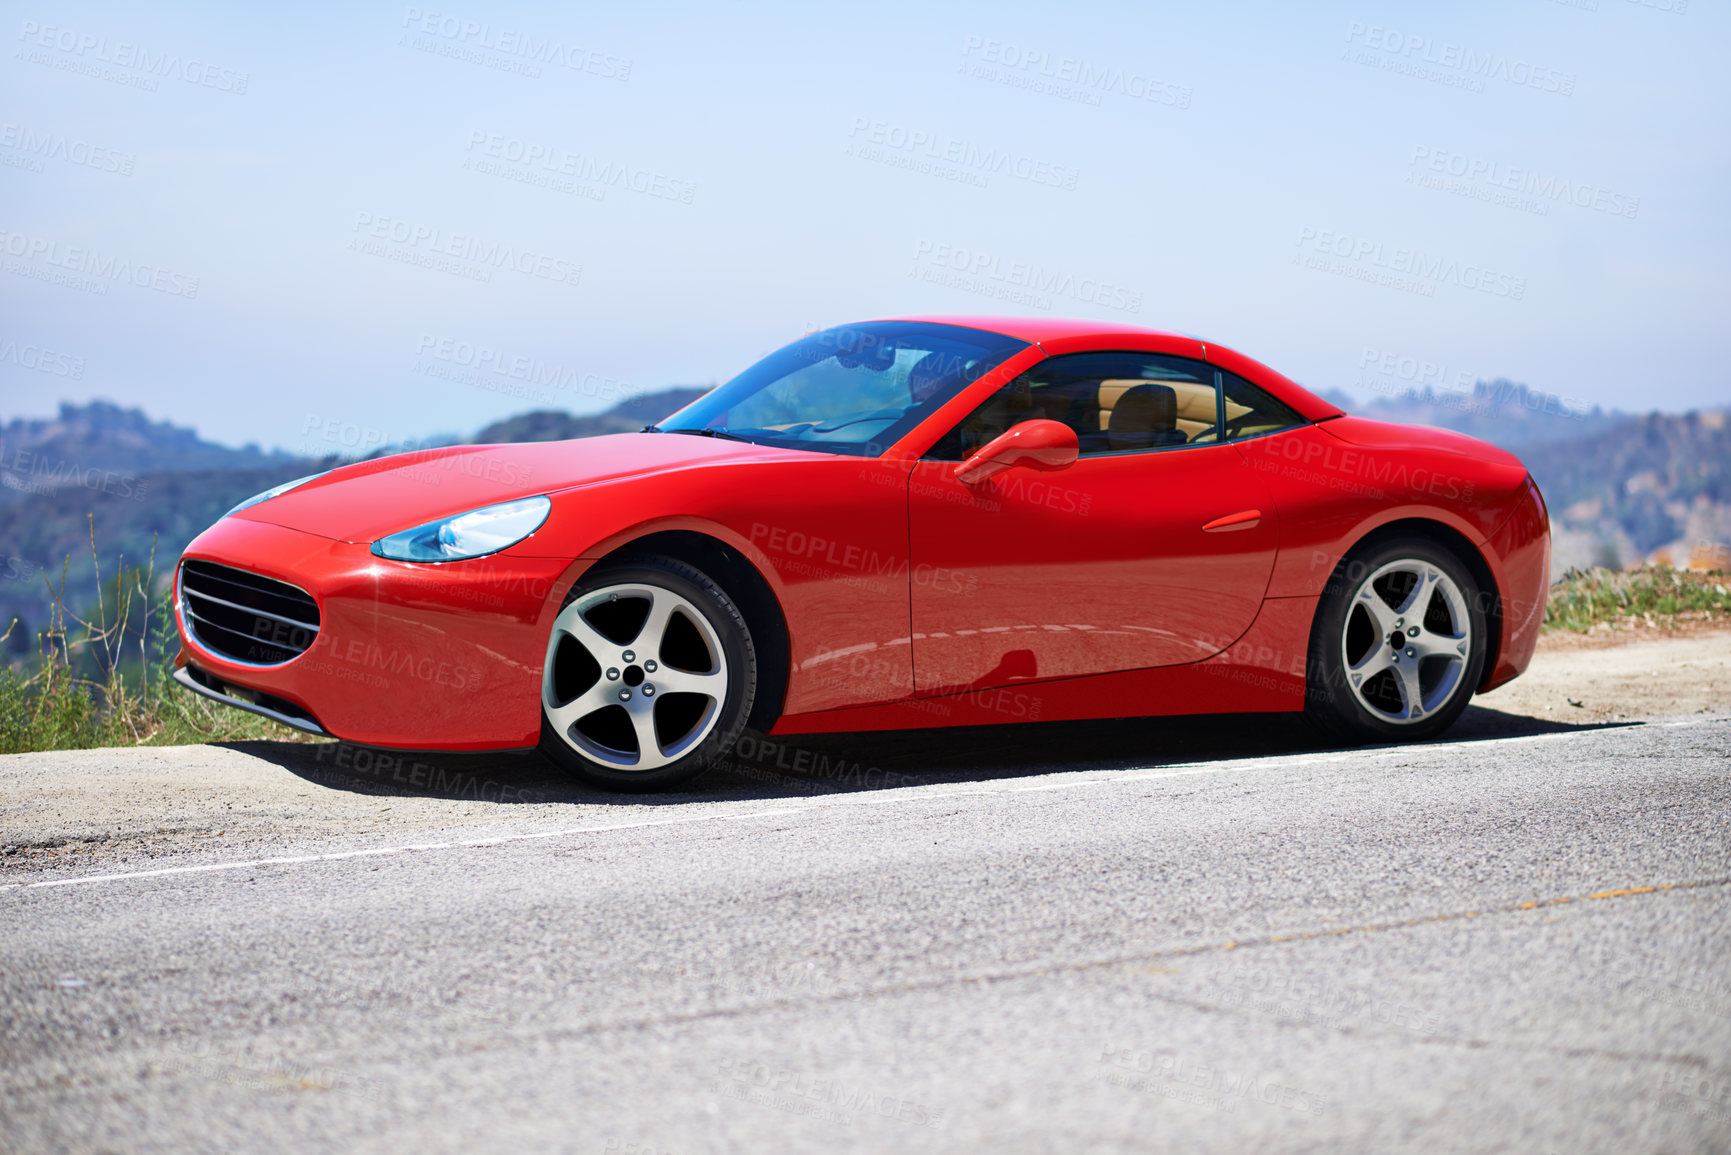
<point x="649" y="677"/>
<point x="1398" y="644"/>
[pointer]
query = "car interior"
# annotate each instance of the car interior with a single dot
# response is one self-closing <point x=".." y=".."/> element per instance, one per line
<point x="1167" y="406"/>
<point x="1109" y="415"/>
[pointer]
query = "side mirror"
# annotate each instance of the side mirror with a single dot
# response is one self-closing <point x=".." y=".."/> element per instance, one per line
<point x="1038" y="444"/>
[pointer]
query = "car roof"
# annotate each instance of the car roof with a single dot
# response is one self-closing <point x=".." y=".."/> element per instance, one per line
<point x="1040" y="330"/>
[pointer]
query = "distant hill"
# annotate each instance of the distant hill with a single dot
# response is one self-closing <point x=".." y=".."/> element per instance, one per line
<point x="100" y="445"/>
<point x="626" y="417"/>
<point x="142" y="480"/>
<point x="1505" y="413"/>
<point x="1642" y="485"/>
<point x="1620" y="487"/>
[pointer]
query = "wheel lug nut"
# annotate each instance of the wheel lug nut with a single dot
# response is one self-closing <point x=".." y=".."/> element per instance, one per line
<point x="649" y="665"/>
<point x="648" y="689"/>
<point x="1411" y="653"/>
<point x="625" y="695"/>
<point x="612" y="674"/>
<point x="1400" y="623"/>
<point x="629" y="656"/>
<point x="1412" y="632"/>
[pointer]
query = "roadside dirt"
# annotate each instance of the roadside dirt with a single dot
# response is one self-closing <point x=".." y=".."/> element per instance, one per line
<point x="1623" y="632"/>
<point x="1621" y="672"/>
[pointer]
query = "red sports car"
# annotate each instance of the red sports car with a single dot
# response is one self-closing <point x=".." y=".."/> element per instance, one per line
<point x="897" y="524"/>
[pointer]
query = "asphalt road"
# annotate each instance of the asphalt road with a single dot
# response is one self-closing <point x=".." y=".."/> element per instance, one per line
<point x="1516" y="940"/>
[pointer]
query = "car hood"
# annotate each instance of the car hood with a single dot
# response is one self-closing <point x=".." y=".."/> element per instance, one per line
<point x="370" y="499"/>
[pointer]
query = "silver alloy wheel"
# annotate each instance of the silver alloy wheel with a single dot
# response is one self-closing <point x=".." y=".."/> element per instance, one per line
<point x="656" y="667"/>
<point x="1406" y="641"/>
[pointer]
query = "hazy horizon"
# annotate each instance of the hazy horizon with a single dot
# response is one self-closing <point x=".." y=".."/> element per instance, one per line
<point x="420" y="220"/>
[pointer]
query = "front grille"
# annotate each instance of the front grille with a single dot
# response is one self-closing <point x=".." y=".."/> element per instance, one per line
<point x="245" y="617"/>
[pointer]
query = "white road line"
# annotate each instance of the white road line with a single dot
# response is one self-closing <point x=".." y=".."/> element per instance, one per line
<point x="287" y="860"/>
<point x="901" y="794"/>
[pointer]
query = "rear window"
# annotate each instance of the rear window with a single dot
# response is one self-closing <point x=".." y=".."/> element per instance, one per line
<point x="1252" y="411"/>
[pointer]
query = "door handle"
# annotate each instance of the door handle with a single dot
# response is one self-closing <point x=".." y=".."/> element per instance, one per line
<point x="1243" y="519"/>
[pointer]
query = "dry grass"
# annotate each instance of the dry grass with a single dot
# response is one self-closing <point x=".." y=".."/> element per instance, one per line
<point x="1586" y="598"/>
<point x="102" y="676"/>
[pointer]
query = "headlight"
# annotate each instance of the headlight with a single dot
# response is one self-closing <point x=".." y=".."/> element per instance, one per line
<point x="480" y="531"/>
<point x="270" y="493"/>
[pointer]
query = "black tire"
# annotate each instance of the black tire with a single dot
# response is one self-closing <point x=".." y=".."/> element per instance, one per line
<point x="596" y="746"/>
<point x="1357" y="708"/>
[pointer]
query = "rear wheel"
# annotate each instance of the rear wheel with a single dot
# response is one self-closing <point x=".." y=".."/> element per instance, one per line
<point x="649" y="676"/>
<point x="1398" y="644"/>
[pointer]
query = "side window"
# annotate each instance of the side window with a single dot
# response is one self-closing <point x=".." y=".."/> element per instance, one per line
<point x="1251" y="412"/>
<point x="1116" y="403"/>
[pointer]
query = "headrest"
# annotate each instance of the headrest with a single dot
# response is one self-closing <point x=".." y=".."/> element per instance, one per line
<point x="1143" y="417"/>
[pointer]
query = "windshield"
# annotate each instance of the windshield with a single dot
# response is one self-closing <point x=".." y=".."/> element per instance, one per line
<point x="855" y="389"/>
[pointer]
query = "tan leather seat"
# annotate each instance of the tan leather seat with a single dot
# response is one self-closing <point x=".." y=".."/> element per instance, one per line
<point x="1144" y="417"/>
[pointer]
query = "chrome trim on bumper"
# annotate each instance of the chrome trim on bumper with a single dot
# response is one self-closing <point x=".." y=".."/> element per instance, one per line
<point x="304" y="724"/>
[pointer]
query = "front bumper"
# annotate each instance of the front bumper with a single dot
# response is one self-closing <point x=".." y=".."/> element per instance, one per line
<point x="201" y="683"/>
<point x="444" y="657"/>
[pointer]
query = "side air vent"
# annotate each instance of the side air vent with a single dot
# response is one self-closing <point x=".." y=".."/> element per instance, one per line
<point x="245" y="617"/>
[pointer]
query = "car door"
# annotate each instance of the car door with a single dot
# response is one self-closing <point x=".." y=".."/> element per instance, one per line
<point x="1152" y="549"/>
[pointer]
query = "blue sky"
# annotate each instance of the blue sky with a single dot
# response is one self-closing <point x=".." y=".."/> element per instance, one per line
<point x="404" y="219"/>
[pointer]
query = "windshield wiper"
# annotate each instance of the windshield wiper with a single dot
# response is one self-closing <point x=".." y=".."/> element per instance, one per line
<point x="650" y="429"/>
<point x="721" y="433"/>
